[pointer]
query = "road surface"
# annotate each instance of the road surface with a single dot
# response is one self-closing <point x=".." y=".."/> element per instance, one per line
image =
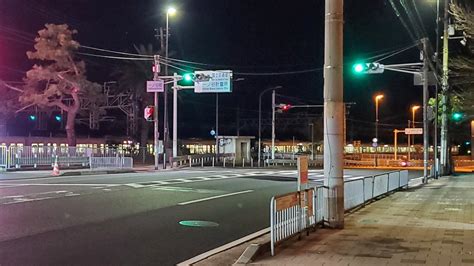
<point x="137" y="218"/>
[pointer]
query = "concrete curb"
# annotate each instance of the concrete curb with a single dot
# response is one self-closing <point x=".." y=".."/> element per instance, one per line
<point x="225" y="247"/>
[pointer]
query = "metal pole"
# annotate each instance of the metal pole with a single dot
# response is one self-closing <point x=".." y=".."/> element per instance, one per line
<point x="376" y="127"/>
<point x="165" y="111"/>
<point x="413" y="125"/>
<point x="435" y="140"/>
<point x="175" y="115"/>
<point x="217" y="124"/>
<point x="273" y="125"/>
<point x="156" y="133"/>
<point x="312" y="141"/>
<point x="395" y="150"/>
<point x="259" y="127"/>
<point x="425" y="112"/>
<point x="334" y="112"/>
<point x="408" y="148"/>
<point x="445" y="87"/>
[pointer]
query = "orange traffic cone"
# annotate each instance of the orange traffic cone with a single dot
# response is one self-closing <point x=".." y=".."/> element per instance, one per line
<point x="56" y="168"/>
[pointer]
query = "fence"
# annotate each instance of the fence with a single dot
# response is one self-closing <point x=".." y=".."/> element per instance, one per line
<point x="292" y="213"/>
<point x="110" y="163"/>
<point x="225" y="159"/>
<point x="46" y="156"/>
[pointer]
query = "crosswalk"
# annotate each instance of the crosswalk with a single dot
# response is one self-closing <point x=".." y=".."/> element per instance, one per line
<point x="313" y="175"/>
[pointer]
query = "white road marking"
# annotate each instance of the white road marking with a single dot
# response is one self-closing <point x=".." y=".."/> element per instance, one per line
<point x="215" y="197"/>
<point x="69" y="184"/>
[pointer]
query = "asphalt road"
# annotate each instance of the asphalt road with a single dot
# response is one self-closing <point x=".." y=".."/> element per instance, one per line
<point x="134" y="219"/>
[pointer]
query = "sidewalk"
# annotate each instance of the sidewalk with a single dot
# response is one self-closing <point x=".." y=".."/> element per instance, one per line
<point x="433" y="225"/>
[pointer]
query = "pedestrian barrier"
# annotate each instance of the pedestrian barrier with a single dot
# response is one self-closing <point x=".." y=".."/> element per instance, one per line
<point x="3" y="157"/>
<point x="110" y="163"/>
<point x="201" y="160"/>
<point x="291" y="214"/>
<point x="358" y="191"/>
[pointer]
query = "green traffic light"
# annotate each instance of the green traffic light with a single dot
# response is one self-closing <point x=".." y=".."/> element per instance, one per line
<point x="457" y="116"/>
<point x="358" y="68"/>
<point x="188" y="77"/>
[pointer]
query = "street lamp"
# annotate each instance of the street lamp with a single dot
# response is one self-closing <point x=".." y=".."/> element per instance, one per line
<point x="377" y="99"/>
<point x="260" y="120"/>
<point x="413" y="111"/>
<point x="171" y="11"/>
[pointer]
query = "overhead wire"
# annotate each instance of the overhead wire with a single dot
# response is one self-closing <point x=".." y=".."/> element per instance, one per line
<point x="402" y="20"/>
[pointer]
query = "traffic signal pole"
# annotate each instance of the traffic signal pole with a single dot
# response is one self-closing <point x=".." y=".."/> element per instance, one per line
<point x="175" y="115"/>
<point x="334" y="112"/>
<point x="273" y="124"/>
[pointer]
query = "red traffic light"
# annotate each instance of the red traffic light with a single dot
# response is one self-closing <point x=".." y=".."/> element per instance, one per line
<point x="149" y="113"/>
<point x="283" y="107"/>
<point x="286" y="107"/>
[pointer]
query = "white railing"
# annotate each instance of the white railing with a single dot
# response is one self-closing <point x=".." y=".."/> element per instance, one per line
<point x="226" y="160"/>
<point x="291" y="214"/>
<point x="110" y="163"/>
<point x="3" y="157"/>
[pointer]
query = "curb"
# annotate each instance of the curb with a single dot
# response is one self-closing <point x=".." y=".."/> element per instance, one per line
<point x="225" y="247"/>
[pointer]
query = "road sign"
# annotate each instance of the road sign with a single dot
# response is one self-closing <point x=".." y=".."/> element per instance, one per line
<point x="155" y="85"/>
<point x="220" y="81"/>
<point x="149" y="113"/>
<point x="213" y="132"/>
<point x="375" y="140"/>
<point x="374" y="144"/>
<point x="414" y="131"/>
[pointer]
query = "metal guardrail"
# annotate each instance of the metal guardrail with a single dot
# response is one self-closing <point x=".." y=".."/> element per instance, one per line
<point x="359" y="191"/>
<point x="291" y="214"/>
<point x="110" y="163"/>
<point x="204" y="160"/>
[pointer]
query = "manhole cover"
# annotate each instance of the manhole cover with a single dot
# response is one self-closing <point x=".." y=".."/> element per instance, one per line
<point x="198" y="223"/>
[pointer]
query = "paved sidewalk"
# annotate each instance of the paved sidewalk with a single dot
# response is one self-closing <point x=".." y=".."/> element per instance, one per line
<point x="433" y="225"/>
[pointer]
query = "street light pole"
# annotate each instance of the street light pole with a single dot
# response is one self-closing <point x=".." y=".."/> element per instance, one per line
<point x="377" y="98"/>
<point x="425" y="111"/>
<point x="413" y="111"/>
<point x="444" y="99"/>
<point x="273" y="124"/>
<point x="170" y="11"/>
<point x="260" y="120"/>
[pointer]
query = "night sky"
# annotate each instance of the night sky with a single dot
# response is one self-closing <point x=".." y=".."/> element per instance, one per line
<point x="247" y="36"/>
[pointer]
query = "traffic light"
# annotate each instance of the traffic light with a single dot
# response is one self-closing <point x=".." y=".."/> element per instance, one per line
<point x="457" y="116"/>
<point x="149" y="113"/>
<point x="191" y="77"/>
<point x="58" y="118"/>
<point x="32" y="117"/>
<point x="283" y="107"/>
<point x="368" y="68"/>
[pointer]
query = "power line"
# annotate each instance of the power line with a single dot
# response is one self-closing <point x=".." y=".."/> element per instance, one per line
<point x="402" y="20"/>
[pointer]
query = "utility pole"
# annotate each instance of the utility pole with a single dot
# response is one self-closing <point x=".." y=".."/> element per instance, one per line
<point x="444" y="97"/>
<point x="156" y="133"/>
<point x="273" y="124"/>
<point x="334" y="111"/>
<point x="435" y="139"/>
<point x="426" y="135"/>
<point x="175" y="115"/>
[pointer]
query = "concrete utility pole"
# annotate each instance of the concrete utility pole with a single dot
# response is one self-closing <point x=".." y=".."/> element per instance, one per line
<point x="156" y="134"/>
<point x="165" y="102"/>
<point x="426" y="135"/>
<point x="334" y="112"/>
<point x="175" y="115"/>
<point x="273" y="124"/>
<point x="444" y="97"/>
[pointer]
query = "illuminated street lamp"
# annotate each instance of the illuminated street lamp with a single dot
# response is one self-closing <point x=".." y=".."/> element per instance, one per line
<point x="171" y="11"/>
<point x="377" y="99"/>
<point x="413" y="111"/>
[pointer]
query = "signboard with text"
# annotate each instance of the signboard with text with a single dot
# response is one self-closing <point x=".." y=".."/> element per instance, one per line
<point x="155" y="85"/>
<point x="414" y="131"/>
<point x="220" y="81"/>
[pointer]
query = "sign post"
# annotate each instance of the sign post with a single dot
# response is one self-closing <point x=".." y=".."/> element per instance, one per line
<point x="302" y="172"/>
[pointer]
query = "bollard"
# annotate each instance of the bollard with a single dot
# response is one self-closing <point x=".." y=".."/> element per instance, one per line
<point x="233" y="163"/>
<point x="243" y="162"/>
<point x="202" y="162"/>
<point x="224" y="162"/>
<point x="213" y="161"/>
<point x="190" y="163"/>
<point x="251" y="163"/>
